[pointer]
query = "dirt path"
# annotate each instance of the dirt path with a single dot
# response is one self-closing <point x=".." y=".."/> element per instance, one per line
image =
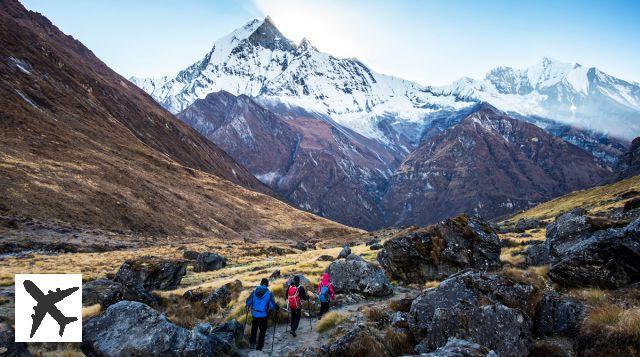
<point x="286" y="345"/>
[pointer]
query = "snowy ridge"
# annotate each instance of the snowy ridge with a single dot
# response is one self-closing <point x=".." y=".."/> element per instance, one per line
<point x="259" y="61"/>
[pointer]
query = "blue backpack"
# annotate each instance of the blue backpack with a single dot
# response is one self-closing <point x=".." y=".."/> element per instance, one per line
<point x="324" y="294"/>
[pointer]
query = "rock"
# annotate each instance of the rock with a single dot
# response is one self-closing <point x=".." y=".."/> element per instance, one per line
<point x="344" y="252"/>
<point x="8" y="346"/>
<point x="303" y="281"/>
<point x="558" y="315"/>
<point x="359" y="341"/>
<point x="227" y="335"/>
<point x="219" y="297"/>
<point x="478" y="306"/>
<point x="606" y="259"/>
<point x="355" y="275"/>
<point x="631" y="204"/>
<point x="152" y="273"/>
<point x="536" y="254"/>
<point x="102" y="291"/>
<point x="372" y="241"/>
<point x="190" y="255"/>
<point x="399" y="319"/>
<point x="375" y="246"/>
<point x="275" y="275"/>
<point x="325" y="258"/>
<point x="525" y="224"/>
<point x="209" y="261"/>
<point x="107" y="292"/>
<point x="573" y="227"/>
<point x="133" y="328"/>
<point x="439" y="250"/>
<point x="194" y="295"/>
<point x="303" y="246"/>
<point x="458" y="348"/>
<point x="503" y="329"/>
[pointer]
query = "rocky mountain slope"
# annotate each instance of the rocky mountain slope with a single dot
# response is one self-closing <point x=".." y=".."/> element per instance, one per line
<point x="313" y="162"/>
<point x="80" y="145"/>
<point x="629" y="163"/>
<point x="489" y="164"/>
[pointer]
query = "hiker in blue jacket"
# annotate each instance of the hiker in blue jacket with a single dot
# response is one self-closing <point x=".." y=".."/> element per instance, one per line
<point x="261" y="302"/>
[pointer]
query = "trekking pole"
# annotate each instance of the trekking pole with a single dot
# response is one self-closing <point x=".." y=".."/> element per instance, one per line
<point x="273" y="339"/>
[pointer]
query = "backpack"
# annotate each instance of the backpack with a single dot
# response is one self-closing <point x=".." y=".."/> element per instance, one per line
<point x="293" y="300"/>
<point x="324" y="293"/>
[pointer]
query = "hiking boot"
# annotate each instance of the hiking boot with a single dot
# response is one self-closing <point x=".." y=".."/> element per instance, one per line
<point x="293" y="333"/>
<point x="252" y="346"/>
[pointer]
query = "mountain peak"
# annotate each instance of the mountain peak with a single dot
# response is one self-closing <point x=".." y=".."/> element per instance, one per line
<point x="268" y="36"/>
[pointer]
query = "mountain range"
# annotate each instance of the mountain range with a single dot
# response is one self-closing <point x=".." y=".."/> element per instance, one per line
<point x="336" y="138"/>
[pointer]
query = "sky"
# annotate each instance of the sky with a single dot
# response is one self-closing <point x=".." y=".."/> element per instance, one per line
<point x="430" y="42"/>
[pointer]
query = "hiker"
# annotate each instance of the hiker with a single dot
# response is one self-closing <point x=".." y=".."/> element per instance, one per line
<point x="261" y="302"/>
<point x="295" y="293"/>
<point x="326" y="294"/>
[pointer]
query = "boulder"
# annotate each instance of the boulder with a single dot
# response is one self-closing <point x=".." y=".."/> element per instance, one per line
<point x="275" y="275"/>
<point x="536" y="254"/>
<point x="325" y="258"/>
<point x="190" y="255"/>
<point x="372" y="241"/>
<point x="439" y="250"/>
<point x="456" y="347"/>
<point x="107" y="292"/>
<point x="558" y="315"/>
<point x="479" y="306"/>
<point x="525" y="224"/>
<point x="573" y="227"/>
<point x="133" y="328"/>
<point x="8" y="346"/>
<point x="218" y="297"/>
<point x="226" y="335"/>
<point x="303" y="246"/>
<point x="375" y="246"/>
<point x="606" y="259"/>
<point x="346" y="250"/>
<point x="303" y="281"/>
<point x="152" y="273"/>
<point x="355" y="275"/>
<point x="209" y="261"/>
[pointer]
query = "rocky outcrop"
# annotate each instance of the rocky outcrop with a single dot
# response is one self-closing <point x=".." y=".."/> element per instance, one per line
<point x="376" y="246"/>
<point x="442" y="249"/>
<point x="629" y="163"/>
<point x="346" y="250"/>
<point x="209" y="261"/>
<point x="8" y="346"/>
<point x="485" y="308"/>
<point x="152" y="273"/>
<point x="216" y="298"/>
<point x="536" y="254"/>
<point x="456" y="347"/>
<point x="133" y="328"/>
<point x="558" y="315"/>
<point x="107" y="292"/>
<point x="606" y="259"/>
<point x="355" y="275"/>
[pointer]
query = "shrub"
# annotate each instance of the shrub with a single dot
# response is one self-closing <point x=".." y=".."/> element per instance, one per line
<point x="329" y="321"/>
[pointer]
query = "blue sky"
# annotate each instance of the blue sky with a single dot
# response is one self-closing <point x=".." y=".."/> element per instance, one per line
<point x="432" y="42"/>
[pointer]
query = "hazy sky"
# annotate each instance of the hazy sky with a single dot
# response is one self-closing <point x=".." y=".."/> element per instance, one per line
<point x="431" y="42"/>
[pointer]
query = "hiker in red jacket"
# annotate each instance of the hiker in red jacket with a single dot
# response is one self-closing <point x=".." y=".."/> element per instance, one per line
<point x="295" y="293"/>
<point x="326" y="294"/>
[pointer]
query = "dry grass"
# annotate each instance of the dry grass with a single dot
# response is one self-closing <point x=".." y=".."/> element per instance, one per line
<point x="376" y="315"/>
<point x="330" y="320"/>
<point x="91" y="311"/>
<point x="510" y="256"/>
<point x="597" y="199"/>
<point x="591" y="296"/>
<point x="432" y="284"/>
<point x="398" y="342"/>
<point x="535" y="276"/>
<point x="610" y="330"/>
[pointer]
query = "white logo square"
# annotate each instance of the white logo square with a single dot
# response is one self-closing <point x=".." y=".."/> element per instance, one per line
<point x="48" y="307"/>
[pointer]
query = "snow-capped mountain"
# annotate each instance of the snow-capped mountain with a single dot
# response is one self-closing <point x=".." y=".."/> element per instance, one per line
<point x="257" y="60"/>
<point x="568" y="93"/>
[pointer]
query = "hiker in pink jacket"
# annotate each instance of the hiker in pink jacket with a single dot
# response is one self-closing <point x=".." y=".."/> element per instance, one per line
<point x="326" y="294"/>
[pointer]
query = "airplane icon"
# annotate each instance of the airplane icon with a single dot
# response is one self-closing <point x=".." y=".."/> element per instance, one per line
<point x="47" y="305"/>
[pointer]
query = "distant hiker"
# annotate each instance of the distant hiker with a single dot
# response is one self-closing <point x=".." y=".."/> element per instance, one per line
<point x="326" y="294"/>
<point x="261" y="302"/>
<point x="295" y="293"/>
